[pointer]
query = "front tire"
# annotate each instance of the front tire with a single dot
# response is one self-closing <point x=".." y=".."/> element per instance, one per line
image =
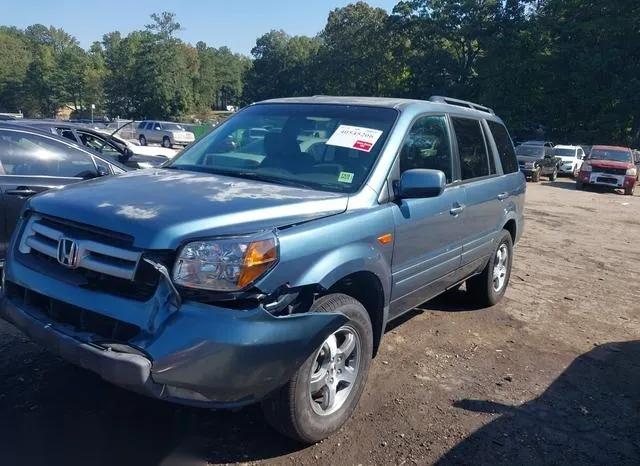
<point x="324" y="392"/>
<point x="535" y="176"/>
<point x="554" y="175"/>
<point x="629" y="190"/>
<point x="488" y="288"/>
<point x="166" y="142"/>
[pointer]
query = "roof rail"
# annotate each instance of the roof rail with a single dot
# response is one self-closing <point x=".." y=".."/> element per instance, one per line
<point x="460" y="103"/>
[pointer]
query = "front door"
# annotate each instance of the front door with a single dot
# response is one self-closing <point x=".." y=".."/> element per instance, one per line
<point x="428" y="236"/>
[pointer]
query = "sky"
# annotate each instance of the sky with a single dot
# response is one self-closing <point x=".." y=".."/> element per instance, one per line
<point x="234" y="23"/>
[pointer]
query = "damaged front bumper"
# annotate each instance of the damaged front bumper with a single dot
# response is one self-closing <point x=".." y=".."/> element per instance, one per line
<point x="200" y="355"/>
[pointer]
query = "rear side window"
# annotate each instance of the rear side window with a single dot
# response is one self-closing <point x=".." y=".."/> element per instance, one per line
<point x="505" y="147"/>
<point x="27" y="154"/>
<point x="474" y="160"/>
<point x="142" y="124"/>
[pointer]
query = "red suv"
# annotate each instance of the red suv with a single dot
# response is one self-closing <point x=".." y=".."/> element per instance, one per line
<point x="609" y="166"/>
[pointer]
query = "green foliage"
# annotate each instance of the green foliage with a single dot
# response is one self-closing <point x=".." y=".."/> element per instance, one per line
<point x="563" y="69"/>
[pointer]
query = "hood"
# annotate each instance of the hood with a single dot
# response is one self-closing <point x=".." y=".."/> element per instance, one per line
<point x="566" y="158"/>
<point x="610" y="164"/>
<point x="161" y="208"/>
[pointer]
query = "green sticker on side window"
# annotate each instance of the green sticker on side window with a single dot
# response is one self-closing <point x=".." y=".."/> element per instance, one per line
<point x="345" y="177"/>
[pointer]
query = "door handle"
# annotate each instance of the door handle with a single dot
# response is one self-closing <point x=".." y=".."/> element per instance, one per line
<point x="503" y="196"/>
<point x="456" y="209"/>
<point x="20" y="192"/>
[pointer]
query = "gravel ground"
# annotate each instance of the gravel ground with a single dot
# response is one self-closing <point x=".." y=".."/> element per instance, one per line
<point x="549" y="376"/>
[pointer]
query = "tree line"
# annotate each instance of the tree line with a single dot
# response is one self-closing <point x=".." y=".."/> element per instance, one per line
<point x="562" y="69"/>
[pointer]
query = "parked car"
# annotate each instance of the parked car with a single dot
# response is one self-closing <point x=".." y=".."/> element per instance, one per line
<point x="229" y="277"/>
<point x="538" y="160"/>
<point x="570" y="157"/>
<point x="110" y="147"/>
<point x="611" y="166"/>
<point x="162" y="132"/>
<point x="32" y="161"/>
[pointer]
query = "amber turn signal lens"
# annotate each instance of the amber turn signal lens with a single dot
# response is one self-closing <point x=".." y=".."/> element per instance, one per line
<point x="385" y="239"/>
<point x="258" y="259"/>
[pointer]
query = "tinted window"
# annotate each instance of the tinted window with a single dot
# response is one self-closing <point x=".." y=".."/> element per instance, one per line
<point x="104" y="167"/>
<point x="427" y="146"/>
<point x="67" y="133"/>
<point x="142" y="124"/>
<point x="505" y="147"/>
<point x="326" y="147"/>
<point x="150" y="125"/>
<point x="99" y="144"/>
<point x="30" y="154"/>
<point x="530" y="151"/>
<point x="474" y="162"/>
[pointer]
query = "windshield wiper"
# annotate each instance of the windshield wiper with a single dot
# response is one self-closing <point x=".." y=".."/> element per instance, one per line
<point x="240" y="174"/>
<point x="270" y="179"/>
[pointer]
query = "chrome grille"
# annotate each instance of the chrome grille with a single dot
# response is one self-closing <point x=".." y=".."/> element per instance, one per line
<point x="610" y="171"/>
<point x="91" y="255"/>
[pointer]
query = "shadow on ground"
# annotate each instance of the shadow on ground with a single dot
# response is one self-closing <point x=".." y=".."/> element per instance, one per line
<point x="571" y="186"/>
<point x="589" y="415"/>
<point x="562" y="184"/>
<point x="52" y="413"/>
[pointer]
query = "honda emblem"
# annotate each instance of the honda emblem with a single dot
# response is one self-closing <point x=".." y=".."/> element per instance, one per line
<point x="68" y="253"/>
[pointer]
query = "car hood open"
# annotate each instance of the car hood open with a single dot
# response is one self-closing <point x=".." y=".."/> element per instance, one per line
<point x="161" y="208"/>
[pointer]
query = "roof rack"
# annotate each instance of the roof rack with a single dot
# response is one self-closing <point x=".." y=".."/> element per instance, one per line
<point x="460" y="103"/>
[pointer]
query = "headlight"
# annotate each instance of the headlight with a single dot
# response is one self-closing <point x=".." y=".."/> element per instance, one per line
<point x="586" y="167"/>
<point x="631" y="172"/>
<point x="529" y="165"/>
<point x="228" y="264"/>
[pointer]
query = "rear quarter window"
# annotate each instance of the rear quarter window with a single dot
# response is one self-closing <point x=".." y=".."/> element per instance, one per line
<point x="505" y="147"/>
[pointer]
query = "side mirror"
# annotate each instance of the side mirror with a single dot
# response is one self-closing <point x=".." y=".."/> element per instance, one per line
<point x="102" y="171"/>
<point x="128" y="153"/>
<point x="420" y="183"/>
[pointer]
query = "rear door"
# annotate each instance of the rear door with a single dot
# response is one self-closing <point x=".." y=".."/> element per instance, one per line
<point x="484" y="190"/>
<point x="33" y="163"/>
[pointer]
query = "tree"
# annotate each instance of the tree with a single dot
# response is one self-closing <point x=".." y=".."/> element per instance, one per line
<point x="15" y="57"/>
<point x="356" y="57"/>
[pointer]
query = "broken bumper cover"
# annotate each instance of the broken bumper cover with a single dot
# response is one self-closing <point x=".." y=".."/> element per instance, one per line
<point x="201" y="355"/>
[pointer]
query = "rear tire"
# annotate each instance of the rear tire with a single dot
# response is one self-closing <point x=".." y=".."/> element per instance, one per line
<point x="300" y="412"/>
<point x="143" y="140"/>
<point x="488" y="288"/>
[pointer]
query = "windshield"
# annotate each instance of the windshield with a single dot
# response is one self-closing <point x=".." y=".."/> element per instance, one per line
<point x="172" y="126"/>
<point x="530" y="151"/>
<point x="326" y="147"/>
<point x="564" y="152"/>
<point x="613" y="155"/>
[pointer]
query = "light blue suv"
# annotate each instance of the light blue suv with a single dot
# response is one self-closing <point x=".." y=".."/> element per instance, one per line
<point x="266" y="268"/>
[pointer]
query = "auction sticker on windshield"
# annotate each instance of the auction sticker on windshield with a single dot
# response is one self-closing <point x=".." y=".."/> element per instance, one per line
<point x="354" y="137"/>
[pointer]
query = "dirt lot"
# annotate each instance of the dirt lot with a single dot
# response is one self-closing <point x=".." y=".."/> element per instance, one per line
<point x="551" y="375"/>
